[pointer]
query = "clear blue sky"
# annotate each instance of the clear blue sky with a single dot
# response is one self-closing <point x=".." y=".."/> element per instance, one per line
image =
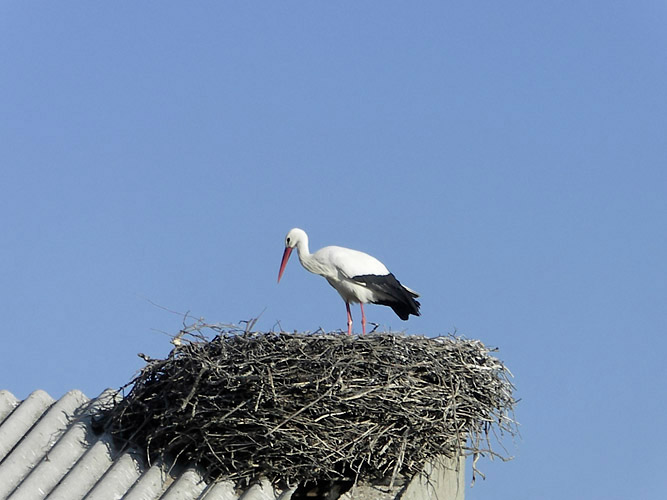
<point x="508" y="160"/>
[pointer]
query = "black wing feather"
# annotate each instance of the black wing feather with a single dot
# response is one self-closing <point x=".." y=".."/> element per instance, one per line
<point x="391" y="293"/>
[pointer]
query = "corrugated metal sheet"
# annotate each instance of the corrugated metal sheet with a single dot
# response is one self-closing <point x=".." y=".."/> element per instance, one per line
<point x="49" y="450"/>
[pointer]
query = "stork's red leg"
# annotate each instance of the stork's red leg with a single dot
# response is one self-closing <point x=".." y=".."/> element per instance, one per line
<point x="363" y="319"/>
<point x="349" y="318"/>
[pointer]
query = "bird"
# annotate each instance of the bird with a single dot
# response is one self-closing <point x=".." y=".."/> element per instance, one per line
<point x="356" y="276"/>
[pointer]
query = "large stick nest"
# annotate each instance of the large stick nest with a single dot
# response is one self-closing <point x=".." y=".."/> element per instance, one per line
<point x="300" y="407"/>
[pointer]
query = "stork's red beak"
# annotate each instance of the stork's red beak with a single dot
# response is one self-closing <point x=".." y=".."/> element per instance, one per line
<point x="286" y="254"/>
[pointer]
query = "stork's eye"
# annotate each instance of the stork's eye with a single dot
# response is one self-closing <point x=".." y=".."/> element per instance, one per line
<point x="287" y="240"/>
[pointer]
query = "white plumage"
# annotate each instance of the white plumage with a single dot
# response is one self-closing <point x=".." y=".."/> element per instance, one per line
<point x="357" y="276"/>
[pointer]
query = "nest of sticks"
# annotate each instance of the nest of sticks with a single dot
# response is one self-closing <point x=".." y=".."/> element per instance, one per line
<point x="304" y="407"/>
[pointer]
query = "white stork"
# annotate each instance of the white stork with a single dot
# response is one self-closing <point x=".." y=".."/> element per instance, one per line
<point x="357" y="276"/>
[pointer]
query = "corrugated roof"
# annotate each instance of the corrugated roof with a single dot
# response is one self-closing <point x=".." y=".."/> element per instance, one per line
<point x="49" y="450"/>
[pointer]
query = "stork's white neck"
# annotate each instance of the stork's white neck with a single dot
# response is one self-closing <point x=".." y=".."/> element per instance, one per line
<point x="303" y="251"/>
<point x="309" y="261"/>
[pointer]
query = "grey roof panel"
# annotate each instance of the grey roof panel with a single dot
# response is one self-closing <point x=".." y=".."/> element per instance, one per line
<point x="35" y="445"/>
<point x="220" y="491"/>
<point x="66" y="452"/>
<point x="188" y="486"/>
<point x="149" y="486"/>
<point x="7" y="404"/>
<point x="48" y="450"/>
<point x="124" y="472"/>
<point x="262" y="491"/>
<point x="86" y="473"/>
<point x="16" y="424"/>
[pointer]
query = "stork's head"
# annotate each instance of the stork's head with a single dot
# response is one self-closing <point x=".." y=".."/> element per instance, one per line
<point x="293" y="238"/>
